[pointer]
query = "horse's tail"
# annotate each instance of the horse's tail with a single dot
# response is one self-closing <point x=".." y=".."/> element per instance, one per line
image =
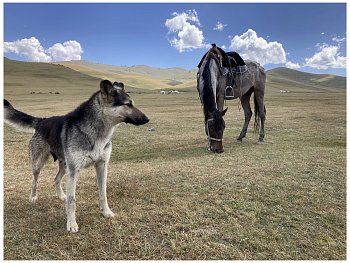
<point x="256" y="113"/>
<point x="257" y="119"/>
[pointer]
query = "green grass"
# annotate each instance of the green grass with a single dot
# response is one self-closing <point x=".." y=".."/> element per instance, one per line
<point x="173" y="199"/>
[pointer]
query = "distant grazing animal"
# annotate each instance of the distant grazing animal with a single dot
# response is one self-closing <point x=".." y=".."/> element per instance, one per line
<point x="223" y="76"/>
<point x="77" y="140"/>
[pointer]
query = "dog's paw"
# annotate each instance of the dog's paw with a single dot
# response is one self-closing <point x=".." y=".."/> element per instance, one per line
<point x="62" y="196"/>
<point x="107" y="213"/>
<point x="72" y="226"/>
<point x="32" y="199"/>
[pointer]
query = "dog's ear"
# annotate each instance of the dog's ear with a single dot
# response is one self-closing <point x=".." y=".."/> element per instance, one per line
<point x="106" y="87"/>
<point x="118" y="85"/>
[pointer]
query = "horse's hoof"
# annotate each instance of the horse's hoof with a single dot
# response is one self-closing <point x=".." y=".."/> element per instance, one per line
<point x="239" y="141"/>
<point x="261" y="142"/>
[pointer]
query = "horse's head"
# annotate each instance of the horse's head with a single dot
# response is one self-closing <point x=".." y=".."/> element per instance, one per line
<point x="214" y="128"/>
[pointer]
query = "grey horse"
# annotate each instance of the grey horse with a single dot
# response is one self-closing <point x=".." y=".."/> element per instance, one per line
<point x="223" y="76"/>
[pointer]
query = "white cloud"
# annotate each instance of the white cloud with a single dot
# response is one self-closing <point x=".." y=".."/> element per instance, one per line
<point x="250" y="46"/>
<point x="219" y="26"/>
<point x="28" y="48"/>
<point x="338" y="39"/>
<point x="292" y="65"/>
<point x="327" y="56"/>
<point x="32" y="50"/>
<point x="187" y="33"/>
<point x="69" y="50"/>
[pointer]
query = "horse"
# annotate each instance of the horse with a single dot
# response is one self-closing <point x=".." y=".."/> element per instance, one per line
<point x="225" y="76"/>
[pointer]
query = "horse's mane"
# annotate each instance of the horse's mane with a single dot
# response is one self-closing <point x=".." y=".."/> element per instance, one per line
<point x="230" y="59"/>
<point x="225" y="61"/>
<point x="208" y="98"/>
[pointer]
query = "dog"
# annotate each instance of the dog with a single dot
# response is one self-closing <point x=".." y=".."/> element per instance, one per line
<point x="77" y="140"/>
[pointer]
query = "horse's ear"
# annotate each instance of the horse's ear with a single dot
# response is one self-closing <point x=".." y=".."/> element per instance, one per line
<point x="223" y="112"/>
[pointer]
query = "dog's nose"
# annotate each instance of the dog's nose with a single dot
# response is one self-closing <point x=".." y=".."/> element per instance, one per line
<point x="146" y="120"/>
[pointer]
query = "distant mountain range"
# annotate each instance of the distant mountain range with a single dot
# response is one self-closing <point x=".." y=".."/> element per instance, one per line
<point x="147" y="78"/>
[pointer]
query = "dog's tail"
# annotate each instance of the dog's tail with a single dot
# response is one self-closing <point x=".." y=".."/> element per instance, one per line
<point x="19" y="120"/>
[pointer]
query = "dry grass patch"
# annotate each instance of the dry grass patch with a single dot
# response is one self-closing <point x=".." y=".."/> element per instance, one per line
<point x="175" y="200"/>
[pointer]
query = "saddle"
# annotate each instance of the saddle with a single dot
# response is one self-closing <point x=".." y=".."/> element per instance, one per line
<point x="235" y="59"/>
<point x="236" y="64"/>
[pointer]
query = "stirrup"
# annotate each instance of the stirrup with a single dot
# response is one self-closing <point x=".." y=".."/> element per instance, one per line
<point x="229" y="93"/>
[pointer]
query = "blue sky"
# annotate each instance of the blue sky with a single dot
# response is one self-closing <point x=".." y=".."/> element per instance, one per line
<point x="308" y="37"/>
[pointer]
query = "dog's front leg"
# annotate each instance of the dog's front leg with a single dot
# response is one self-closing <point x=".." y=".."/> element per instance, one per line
<point x="101" y="173"/>
<point x="72" y="225"/>
<point x="58" y="180"/>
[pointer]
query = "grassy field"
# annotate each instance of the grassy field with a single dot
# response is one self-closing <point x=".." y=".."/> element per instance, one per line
<point x="173" y="199"/>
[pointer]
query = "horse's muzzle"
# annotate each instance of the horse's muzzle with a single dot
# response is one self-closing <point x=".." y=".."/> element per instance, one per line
<point x="216" y="150"/>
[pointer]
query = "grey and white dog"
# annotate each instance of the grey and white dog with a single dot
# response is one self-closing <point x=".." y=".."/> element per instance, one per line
<point x="78" y="139"/>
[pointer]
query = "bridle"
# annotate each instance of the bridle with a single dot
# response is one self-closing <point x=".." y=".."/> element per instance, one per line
<point x="209" y="137"/>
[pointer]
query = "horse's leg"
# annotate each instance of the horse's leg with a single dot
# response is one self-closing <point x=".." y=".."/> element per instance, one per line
<point x="245" y="101"/>
<point x="261" y="113"/>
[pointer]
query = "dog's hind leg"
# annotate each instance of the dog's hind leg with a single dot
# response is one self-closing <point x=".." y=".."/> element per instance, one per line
<point x="33" y="194"/>
<point x="39" y="153"/>
<point x="58" y="180"/>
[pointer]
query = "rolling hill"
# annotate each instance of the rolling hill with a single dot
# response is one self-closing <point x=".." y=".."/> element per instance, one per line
<point x="47" y="78"/>
<point x="176" y="78"/>
<point x="140" y="76"/>
<point x="23" y="77"/>
<point x="289" y="78"/>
